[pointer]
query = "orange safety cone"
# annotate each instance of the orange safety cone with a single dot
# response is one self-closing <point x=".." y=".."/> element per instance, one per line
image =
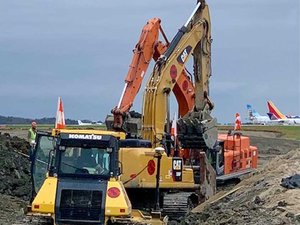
<point x="174" y="129"/>
<point x="60" y="116"/>
<point x="238" y="122"/>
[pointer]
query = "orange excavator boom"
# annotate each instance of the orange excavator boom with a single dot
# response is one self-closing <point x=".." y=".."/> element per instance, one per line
<point x="148" y="47"/>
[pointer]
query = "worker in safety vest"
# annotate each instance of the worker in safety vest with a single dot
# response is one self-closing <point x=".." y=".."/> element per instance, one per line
<point x="238" y="122"/>
<point x="32" y="134"/>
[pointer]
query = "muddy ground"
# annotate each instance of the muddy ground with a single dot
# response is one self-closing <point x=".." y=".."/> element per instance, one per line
<point x="260" y="199"/>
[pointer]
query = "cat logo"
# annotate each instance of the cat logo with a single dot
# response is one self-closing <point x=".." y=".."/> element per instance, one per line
<point x="177" y="168"/>
<point x="181" y="59"/>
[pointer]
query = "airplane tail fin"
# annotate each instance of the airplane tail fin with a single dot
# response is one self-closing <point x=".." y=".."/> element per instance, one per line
<point x="60" y="116"/>
<point x="273" y="110"/>
<point x="271" y="116"/>
<point x="79" y="122"/>
<point x="250" y="112"/>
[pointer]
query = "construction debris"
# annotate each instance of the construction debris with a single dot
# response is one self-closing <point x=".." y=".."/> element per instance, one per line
<point x="291" y="182"/>
<point x="260" y="200"/>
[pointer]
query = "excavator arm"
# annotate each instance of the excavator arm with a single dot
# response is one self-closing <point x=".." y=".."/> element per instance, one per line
<point x="197" y="128"/>
<point x="148" y="47"/>
<point x="197" y="131"/>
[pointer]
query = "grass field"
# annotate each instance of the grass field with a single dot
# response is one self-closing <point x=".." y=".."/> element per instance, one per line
<point x="292" y="132"/>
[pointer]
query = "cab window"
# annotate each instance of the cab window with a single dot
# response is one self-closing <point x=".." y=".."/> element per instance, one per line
<point x="40" y="161"/>
<point x="75" y="160"/>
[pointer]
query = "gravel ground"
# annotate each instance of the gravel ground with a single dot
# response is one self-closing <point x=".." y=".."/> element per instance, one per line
<point x="260" y="200"/>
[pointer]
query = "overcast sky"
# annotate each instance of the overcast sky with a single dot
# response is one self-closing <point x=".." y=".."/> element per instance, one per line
<point x="81" y="50"/>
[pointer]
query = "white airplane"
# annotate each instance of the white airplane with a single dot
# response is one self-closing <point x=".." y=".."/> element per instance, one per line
<point x="80" y="123"/>
<point x="275" y="115"/>
<point x="256" y="118"/>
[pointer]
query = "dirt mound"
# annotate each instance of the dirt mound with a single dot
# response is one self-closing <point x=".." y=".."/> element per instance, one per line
<point x="257" y="200"/>
<point x="14" y="167"/>
<point x="12" y="210"/>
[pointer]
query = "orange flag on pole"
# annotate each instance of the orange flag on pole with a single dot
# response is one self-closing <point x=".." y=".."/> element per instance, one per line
<point x="60" y="116"/>
<point x="238" y="122"/>
<point x="174" y="129"/>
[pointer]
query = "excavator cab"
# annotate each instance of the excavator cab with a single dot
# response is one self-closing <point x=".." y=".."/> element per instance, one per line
<point x="75" y="178"/>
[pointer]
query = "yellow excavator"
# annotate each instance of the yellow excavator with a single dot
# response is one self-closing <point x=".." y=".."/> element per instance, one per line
<point x="182" y="185"/>
<point x="76" y="180"/>
<point x="190" y="178"/>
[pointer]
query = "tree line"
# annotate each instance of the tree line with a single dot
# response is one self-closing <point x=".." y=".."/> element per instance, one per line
<point x="20" y="120"/>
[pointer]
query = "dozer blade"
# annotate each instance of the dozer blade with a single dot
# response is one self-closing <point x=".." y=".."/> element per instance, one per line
<point x="208" y="182"/>
<point x="236" y="175"/>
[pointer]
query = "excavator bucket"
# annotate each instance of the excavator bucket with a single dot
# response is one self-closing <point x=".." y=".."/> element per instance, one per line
<point x="196" y="133"/>
<point x="132" y="125"/>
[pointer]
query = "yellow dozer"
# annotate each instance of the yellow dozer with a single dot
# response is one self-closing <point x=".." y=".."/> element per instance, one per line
<point x="76" y="180"/>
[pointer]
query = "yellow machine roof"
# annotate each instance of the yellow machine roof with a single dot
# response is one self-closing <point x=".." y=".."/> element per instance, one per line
<point x="120" y="135"/>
